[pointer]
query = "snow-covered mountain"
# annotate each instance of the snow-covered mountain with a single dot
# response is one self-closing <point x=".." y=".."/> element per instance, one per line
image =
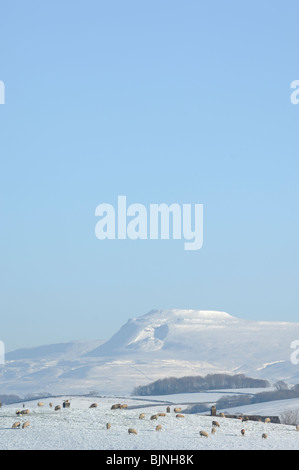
<point x="159" y="344"/>
<point x="210" y="337"/>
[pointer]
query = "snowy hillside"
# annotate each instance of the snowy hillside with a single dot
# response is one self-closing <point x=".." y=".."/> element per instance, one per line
<point x="82" y="427"/>
<point x="161" y="343"/>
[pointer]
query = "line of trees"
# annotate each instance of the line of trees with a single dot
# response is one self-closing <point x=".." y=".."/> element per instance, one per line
<point x="192" y="384"/>
<point x="231" y="401"/>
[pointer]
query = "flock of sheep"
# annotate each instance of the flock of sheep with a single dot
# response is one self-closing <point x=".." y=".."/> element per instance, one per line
<point x="153" y="417"/>
<point x="26" y="424"/>
<point x="202" y="433"/>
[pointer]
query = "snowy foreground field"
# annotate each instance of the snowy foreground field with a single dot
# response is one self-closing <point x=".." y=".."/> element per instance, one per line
<point x="82" y="428"/>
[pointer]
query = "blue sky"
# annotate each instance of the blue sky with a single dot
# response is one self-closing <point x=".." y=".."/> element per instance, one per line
<point x="174" y="102"/>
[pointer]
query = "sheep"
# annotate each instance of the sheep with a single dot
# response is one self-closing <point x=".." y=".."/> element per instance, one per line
<point x="179" y="416"/>
<point x="154" y="417"/>
<point x="57" y="407"/>
<point x="16" y="425"/>
<point x="108" y="426"/>
<point x="203" y="434"/>
<point x="177" y="410"/>
<point x="161" y="414"/>
<point x="216" y="424"/>
<point x="25" y="425"/>
<point x="159" y="427"/>
<point x="245" y="418"/>
<point x="264" y="436"/>
<point x="50" y="405"/>
<point x="40" y="403"/>
<point x="115" y="407"/>
<point x="93" y="405"/>
<point x="297" y="427"/>
<point x="168" y="409"/>
<point x="124" y="406"/>
<point x="267" y="420"/>
<point x="222" y="415"/>
<point x="213" y="430"/>
<point x="132" y="431"/>
<point x="142" y="416"/>
<point x="243" y="432"/>
<point x="21" y="413"/>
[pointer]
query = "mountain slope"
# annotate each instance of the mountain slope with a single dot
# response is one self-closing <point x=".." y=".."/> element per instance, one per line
<point x="215" y="338"/>
<point x="159" y="344"/>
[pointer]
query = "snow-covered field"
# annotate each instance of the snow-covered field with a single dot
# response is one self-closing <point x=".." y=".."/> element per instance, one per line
<point x="82" y="428"/>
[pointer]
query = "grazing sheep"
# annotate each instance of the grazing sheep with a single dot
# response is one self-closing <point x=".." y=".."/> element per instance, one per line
<point x="142" y="416"/>
<point x="93" y="405"/>
<point x="154" y="417"/>
<point x="243" y="432"/>
<point x="57" y="407"/>
<point x="267" y="420"/>
<point x="264" y="436"/>
<point x="108" y="426"/>
<point x="40" y="403"/>
<point x="50" y="405"/>
<point x="213" y="430"/>
<point x="26" y="425"/>
<point x="203" y="434"/>
<point x="161" y="414"/>
<point x="21" y="413"/>
<point x="159" y="427"/>
<point x="132" y="431"/>
<point x="115" y="407"/>
<point x="124" y="406"/>
<point x="177" y="410"/>
<point x="215" y="423"/>
<point x="66" y="404"/>
<point x="222" y="415"/>
<point x="179" y="416"/>
<point x="16" y="425"/>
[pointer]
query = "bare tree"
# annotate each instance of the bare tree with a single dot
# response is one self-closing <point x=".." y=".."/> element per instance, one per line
<point x="290" y="417"/>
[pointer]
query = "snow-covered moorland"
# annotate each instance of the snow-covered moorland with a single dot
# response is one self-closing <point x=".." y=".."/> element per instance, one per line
<point x="83" y="428"/>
